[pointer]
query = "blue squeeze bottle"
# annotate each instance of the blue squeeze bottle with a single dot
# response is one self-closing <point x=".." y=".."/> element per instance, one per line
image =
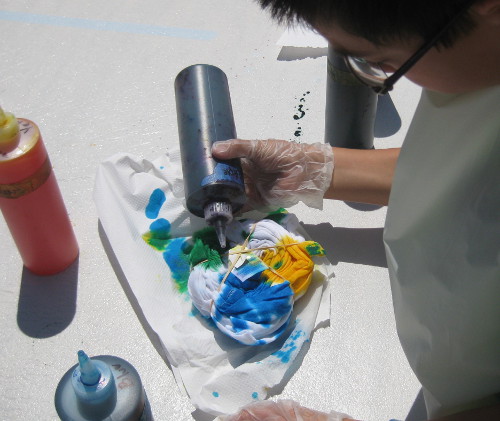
<point x="102" y="388"/>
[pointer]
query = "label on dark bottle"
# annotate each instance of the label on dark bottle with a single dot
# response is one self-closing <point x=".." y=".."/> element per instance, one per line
<point x="224" y="172"/>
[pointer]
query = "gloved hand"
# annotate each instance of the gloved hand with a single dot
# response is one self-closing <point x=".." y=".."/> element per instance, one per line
<point x="282" y="410"/>
<point x="279" y="173"/>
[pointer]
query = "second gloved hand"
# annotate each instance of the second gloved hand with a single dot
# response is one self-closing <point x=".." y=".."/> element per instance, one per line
<point x="283" y="410"/>
<point x="279" y="173"/>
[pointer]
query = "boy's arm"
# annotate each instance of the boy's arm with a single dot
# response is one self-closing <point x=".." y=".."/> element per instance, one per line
<point x="488" y="413"/>
<point x="363" y="176"/>
<point x="282" y="173"/>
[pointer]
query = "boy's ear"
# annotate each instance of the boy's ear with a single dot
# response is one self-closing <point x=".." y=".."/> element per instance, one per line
<point x="488" y="10"/>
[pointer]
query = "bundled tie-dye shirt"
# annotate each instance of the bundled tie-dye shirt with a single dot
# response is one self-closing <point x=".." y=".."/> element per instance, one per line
<point x="249" y="291"/>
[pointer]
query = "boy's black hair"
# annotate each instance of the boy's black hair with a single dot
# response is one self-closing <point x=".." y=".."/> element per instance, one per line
<point x="379" y="21"/>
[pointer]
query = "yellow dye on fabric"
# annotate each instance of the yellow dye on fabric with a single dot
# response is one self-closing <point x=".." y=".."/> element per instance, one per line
<point x="292" y="263"/>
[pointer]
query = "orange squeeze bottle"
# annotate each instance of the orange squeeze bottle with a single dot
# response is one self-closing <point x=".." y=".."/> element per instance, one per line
<point x="31" y="201"/>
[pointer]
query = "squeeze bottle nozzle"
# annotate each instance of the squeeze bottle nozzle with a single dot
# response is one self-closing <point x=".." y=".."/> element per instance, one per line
<point x="89" y="373"/>
<point x="220" y="230"/>
<point x="219" y="214"/>
<point x="9" y="132"/>
<point x="94" y="386"/>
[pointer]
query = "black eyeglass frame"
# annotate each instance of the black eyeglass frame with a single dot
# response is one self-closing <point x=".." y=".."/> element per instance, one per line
<point x="388" y="84"/>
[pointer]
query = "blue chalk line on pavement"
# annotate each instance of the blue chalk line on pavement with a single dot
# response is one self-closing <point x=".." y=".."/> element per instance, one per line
<point x="102" y="25"/>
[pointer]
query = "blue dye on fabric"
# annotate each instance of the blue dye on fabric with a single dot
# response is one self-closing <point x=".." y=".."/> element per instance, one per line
<point x="215" y="394"/>
<point x="252" y="266"/>
<point x="255" y="395"/>
<point x="254" y="300"/>
<point x="239" y="325"/>
<point x="277" y="333"/>
<point x="156" y="201"/>
<point x="254" y="312"/>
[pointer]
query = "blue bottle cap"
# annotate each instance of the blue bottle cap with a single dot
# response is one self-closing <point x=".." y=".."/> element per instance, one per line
<point x="93" y="381"/>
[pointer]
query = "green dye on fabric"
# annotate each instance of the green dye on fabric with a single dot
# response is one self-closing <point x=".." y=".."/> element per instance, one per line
<point x="315" y="249"/>
<point x="180" y="254"/>
<point x="208" y="236"/>
<point x="277" y="215"/>
<point x="202" y="254"/>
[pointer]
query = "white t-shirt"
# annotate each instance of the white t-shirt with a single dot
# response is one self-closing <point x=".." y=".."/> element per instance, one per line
<point x="442" y="238"/>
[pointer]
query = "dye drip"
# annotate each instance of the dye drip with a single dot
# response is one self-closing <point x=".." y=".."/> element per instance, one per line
<point x="214" y="189"/>
<point x="102" y="387"/>
<point x="300" y="113"/>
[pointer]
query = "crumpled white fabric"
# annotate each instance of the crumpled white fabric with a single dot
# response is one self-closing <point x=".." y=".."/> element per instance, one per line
<point x="248" y="299"/>
<point x="218" y="374"/>
<point x="203" y="286"/>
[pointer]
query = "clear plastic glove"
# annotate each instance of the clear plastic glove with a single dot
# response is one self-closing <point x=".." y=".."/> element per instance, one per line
<point x="279" y="173"/>
<point x="282" y="410"/>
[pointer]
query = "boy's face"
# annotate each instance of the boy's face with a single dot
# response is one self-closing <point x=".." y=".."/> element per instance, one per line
<point x="452" y="70"/>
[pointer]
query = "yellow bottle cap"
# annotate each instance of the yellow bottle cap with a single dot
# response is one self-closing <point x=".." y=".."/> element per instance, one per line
<point x="9" y="132"/>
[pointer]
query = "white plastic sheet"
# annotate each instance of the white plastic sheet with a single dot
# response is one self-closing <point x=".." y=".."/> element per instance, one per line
<point x="218" y="374"/>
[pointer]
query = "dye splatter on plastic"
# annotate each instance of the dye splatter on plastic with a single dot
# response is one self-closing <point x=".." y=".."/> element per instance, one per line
<point x="291" y="347"/>
<point x="158" y="235"/>
<point x="156" y="201"/>
<point x="176" y="255"/>
<point x="175" y="251"/>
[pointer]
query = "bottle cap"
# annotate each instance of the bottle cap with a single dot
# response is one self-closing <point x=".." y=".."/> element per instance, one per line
<point x="9" y="132"/>
<point x="94" y="386"/>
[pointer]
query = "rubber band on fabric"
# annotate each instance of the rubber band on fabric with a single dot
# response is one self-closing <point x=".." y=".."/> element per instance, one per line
<point x="250" y="290"/>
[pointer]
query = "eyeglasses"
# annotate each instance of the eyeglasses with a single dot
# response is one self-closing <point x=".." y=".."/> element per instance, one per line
<point x="372" y="75"/>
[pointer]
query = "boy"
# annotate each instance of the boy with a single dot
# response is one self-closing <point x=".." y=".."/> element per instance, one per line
<point x="442" y="231"/>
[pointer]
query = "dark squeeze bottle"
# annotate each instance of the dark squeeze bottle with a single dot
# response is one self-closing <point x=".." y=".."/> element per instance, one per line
<point x="214" y="189"/>
<point x="350" y="108"/>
